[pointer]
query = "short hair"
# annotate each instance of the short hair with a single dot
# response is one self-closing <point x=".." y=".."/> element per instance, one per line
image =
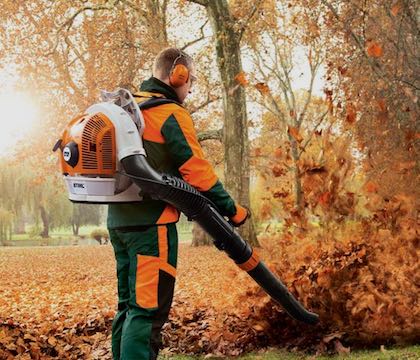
<point x="165" y="60"/>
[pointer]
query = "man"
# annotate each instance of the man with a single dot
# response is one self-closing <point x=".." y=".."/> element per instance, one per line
<point x="144" y="234"/>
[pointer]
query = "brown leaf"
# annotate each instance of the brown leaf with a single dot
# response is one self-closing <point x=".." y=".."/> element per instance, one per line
<point x="258" y="327"/>
<point x="280" y="194"/>
<point x="52" y="341"/>
<point x="351" y="113"/>
<point x="335" y="335"/>
<point x="278" y="170"/>
<point x="340" y="348"/>
<point x="374" y="49"/>
<point x="405" y="166"/>
<point x="325" y="198"/>
<point x="371" y="187"/>
<point x="382" y="105"/>
<point x="395" y="9"/>
<point x="294" y="133"/>
<point x="241" y="78"/>
<point x="262" y="88"/>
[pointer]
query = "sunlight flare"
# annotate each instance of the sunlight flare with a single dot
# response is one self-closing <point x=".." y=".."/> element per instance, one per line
<point x="18" y="116"/>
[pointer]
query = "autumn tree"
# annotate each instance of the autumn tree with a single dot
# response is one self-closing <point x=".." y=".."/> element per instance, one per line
<point x="63" y="50"/>
<point x="228" y="32"/>
<point x="84" y="214"/>
<point x="278" y="51"/>
<point x="6" y="225"/>
<point x="373" y="61"/>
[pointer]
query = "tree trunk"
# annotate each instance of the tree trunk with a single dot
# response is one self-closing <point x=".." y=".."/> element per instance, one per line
<point x="235" y="136"/>
<point x="45" y="222"/>
<point x="19" y="226"/>
<point x="297" y="175"/>
<point x="75" y="228"/>
<point x="200" y="237"/>
<point x="2" y="234"/>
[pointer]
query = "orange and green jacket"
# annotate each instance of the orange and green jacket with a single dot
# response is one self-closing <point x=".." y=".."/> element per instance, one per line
<point x="172" y="147"/>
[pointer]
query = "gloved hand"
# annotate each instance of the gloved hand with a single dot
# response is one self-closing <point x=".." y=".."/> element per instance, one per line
<point x="242" y="214"/>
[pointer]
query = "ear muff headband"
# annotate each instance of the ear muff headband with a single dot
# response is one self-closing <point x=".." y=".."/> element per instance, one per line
<point x="179" y="74"/>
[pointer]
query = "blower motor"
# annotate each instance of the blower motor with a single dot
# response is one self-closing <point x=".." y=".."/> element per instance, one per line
<point x="89" y="151"/>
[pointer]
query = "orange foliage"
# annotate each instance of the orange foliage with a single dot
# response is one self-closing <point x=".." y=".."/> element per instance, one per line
<point x="395" y="9"/>
<point x="262" y="88"/>
<point x="351" y="113"/>
<point x="371" y="187"/>
<point x="294" y="133"/>
<point x="241" y="78"/>
<point x="374" y="49"/>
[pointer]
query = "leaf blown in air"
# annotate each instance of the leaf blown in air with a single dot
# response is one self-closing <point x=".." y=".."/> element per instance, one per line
<point x="262" y="88"/>
<point x="241" y="78"/>
<point x="294" y="133"/>
<point x="374" y="49"/>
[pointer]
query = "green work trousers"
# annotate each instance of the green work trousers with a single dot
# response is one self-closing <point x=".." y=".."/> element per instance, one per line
<point x="146" y="259"/>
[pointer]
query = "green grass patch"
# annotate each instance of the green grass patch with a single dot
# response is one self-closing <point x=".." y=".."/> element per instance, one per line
<point x="184" y="233"/>
<point x="404" y="353"/>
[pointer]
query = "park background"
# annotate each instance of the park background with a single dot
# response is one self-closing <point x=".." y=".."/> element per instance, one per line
<point x="309" y="112"/>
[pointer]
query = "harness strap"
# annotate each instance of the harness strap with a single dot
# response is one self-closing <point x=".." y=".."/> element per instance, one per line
<point x="156" y="102"/>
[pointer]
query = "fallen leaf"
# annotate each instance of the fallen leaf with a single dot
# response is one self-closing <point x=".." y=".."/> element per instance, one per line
<point x="340" y="348"/>
<point x="405" y="166"/>
<point x="324" y="198"/>
<point x="278" y="170"/>
<point x="371" y="187"/>
<point x="395" y="9"/>
<point x="350" y="113"/>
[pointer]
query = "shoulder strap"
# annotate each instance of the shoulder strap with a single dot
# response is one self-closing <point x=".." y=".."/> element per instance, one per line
<point x="156" y="102"/>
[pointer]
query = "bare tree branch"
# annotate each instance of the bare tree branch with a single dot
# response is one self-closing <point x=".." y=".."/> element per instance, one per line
<point x="308" y="140"/>
<point x="202" y="37"/>
<point x="359" y="42"/>
<point x="245" y="23"/>
<point x="210" y="99"/>
<point x="69" y="22"/>
<point x="210" y="135"/>
<point x="314" y="67"/>
<point x="200" y="2"/>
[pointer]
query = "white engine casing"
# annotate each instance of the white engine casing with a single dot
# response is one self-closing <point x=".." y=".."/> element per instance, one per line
<point x="128" y="142"/>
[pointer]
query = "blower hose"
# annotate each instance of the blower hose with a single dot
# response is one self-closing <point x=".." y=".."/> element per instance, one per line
<point x="197" y="207"/>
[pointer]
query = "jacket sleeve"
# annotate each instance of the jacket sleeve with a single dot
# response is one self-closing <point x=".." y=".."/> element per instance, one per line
<point x="181" y="140"/>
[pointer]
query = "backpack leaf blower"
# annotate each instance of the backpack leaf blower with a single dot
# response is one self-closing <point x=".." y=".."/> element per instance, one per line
<point x="103" y="161"/>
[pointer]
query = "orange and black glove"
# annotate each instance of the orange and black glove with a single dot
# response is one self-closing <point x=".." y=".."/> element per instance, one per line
<point x="242" y="214"/>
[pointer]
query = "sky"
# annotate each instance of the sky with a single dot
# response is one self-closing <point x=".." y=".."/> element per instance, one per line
<point x="19" y="112"/>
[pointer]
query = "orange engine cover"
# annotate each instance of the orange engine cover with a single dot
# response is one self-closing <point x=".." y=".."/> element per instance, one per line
<point x="88" y="145"/>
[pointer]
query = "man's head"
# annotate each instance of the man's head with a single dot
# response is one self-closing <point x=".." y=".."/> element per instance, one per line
<point x="165" y="64"/>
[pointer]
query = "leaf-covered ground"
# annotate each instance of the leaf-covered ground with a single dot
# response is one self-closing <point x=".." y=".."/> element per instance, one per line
<point x="58" y="302"/>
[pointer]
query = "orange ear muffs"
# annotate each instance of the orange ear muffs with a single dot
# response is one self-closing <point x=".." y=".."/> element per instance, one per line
<point x="179" y="76"/>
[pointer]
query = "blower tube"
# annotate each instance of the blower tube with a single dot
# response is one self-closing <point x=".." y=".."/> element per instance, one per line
<point x="197" y="207"/>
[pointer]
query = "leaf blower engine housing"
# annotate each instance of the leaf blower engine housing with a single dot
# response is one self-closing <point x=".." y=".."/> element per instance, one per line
<point x="91" y="150"/>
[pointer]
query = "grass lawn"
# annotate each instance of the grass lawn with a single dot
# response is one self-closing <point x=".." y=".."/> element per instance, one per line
<point x="405" y="353"/>
<point x="184" y="234"/>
